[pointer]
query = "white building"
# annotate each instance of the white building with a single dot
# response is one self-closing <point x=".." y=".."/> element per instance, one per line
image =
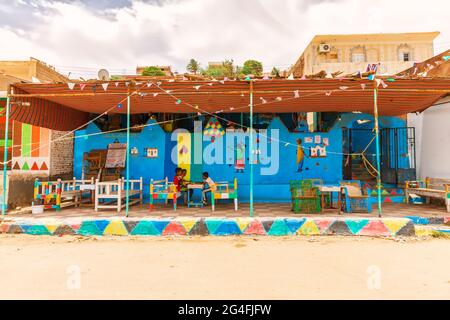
<point x="433" y="125"/>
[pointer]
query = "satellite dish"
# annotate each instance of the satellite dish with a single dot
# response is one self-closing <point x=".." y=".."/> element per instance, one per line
<point x="103" y="74"/>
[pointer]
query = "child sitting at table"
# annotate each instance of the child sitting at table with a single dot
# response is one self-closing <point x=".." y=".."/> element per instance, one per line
<point x="184" y="186"/>
<point x="208" y="186"/>
<point x="177" y="179"/>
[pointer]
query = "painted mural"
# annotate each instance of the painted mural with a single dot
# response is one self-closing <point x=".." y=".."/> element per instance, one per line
<point x="193" y="226"/>
<point x="272" y="170"/>
<point x="2" y="129"/>
<point x="31" y="150"/>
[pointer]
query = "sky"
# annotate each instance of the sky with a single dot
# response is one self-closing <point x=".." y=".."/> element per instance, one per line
<point x="83" y="36"/>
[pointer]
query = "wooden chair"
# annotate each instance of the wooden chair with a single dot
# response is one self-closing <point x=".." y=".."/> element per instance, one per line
<point x="112" y="194"/>
<point x="225" y="190"/>
<point x="163" y="190"/>
<point x="49" y="193"/>
<point x="354" y="197"/>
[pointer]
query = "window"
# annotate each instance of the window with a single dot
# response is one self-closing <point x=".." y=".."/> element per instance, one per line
<point x="358" y="57"/>
<point x="406" y="56"/>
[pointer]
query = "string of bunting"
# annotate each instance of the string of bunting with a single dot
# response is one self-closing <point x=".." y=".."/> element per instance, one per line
<point x="116" y="105"/>
<point x="286" y="143"/>
<point x="296" y="95"/>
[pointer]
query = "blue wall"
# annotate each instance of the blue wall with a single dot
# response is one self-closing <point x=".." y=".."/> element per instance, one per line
<point x="140" y="166"/>
<point x="361" y="139"/>
<point x="268" y="188"/>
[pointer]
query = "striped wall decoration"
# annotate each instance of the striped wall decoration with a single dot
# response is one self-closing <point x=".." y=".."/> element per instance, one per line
<point x="31" y="147"/>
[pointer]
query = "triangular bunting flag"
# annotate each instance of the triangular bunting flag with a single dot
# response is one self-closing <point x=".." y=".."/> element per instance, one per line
<point x="82" y="86"/>
<point x="105" y="86"/>
<point x="71" y="85"/>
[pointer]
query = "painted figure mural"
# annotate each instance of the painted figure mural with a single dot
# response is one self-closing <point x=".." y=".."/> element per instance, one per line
<point x="240" y="158"/>
<point x="300" y="156"/>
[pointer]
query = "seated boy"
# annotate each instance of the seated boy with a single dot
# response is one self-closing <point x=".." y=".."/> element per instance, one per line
<point x="177" y="179"/>
<point x="208" y="186"/>
<point x="184" y="186"/>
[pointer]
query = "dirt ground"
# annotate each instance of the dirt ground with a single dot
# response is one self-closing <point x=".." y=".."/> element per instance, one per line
<point x="43" y="267"/>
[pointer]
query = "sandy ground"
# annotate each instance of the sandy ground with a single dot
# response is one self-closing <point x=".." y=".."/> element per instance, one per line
<point x="228" y="268"/>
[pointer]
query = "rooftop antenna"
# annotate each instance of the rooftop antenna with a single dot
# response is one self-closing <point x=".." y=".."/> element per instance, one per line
<point x="103" y="75"/>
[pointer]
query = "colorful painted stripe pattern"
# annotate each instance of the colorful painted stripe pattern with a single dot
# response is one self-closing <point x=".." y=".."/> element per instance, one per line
<point x="31" y="150"/>
<point x="384" y="227"/>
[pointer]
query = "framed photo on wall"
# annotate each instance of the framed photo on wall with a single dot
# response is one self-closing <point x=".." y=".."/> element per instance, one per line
<point x="151" y="152"/>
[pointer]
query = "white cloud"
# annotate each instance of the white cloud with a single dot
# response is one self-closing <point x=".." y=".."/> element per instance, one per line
<point x="122" y="34"/>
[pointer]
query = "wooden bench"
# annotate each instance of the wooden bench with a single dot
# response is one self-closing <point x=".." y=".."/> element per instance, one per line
<point x="430" y="188"/>
<point x="163" y="190"/>
<point x="225" y="190"/>
<point x="112" y="194"/>
<point x="58" y="194"/>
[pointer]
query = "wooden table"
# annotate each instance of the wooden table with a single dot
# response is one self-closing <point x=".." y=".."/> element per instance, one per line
<point x="329" y="189"/>
<point x="193" y="186"/>
<point x="91" y="189"/>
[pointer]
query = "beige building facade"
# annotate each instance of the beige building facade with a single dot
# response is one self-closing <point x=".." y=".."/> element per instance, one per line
<point x="392" y="52"/>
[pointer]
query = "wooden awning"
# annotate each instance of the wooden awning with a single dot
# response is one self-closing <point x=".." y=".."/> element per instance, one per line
<point x="57" y="106"/>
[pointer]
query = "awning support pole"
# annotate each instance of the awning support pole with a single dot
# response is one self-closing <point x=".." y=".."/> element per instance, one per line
<point x="127" y="164"/>
<point x="377" y="142"/>
<point x="5" y="157"/>
<point x="251" y="148"/>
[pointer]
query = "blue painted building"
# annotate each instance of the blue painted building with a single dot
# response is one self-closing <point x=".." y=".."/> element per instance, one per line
<point x="275" y="153"/>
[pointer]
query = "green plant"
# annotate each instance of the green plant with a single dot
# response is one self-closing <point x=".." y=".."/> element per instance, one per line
<point x="228" y="68"/>
<point x="153" y="72"/>
<point x="215" y="72"/>
<point x="252" y="67"/>
<point x="193" y="66"/>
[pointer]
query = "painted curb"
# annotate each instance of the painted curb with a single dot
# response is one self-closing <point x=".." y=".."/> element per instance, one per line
<point x="429" y="221"/>
<point x="185" y="226"/>
<point x="427" y="231"/>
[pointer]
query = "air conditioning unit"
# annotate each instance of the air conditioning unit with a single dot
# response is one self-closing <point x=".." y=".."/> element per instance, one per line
<point x="324" y="47"/>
